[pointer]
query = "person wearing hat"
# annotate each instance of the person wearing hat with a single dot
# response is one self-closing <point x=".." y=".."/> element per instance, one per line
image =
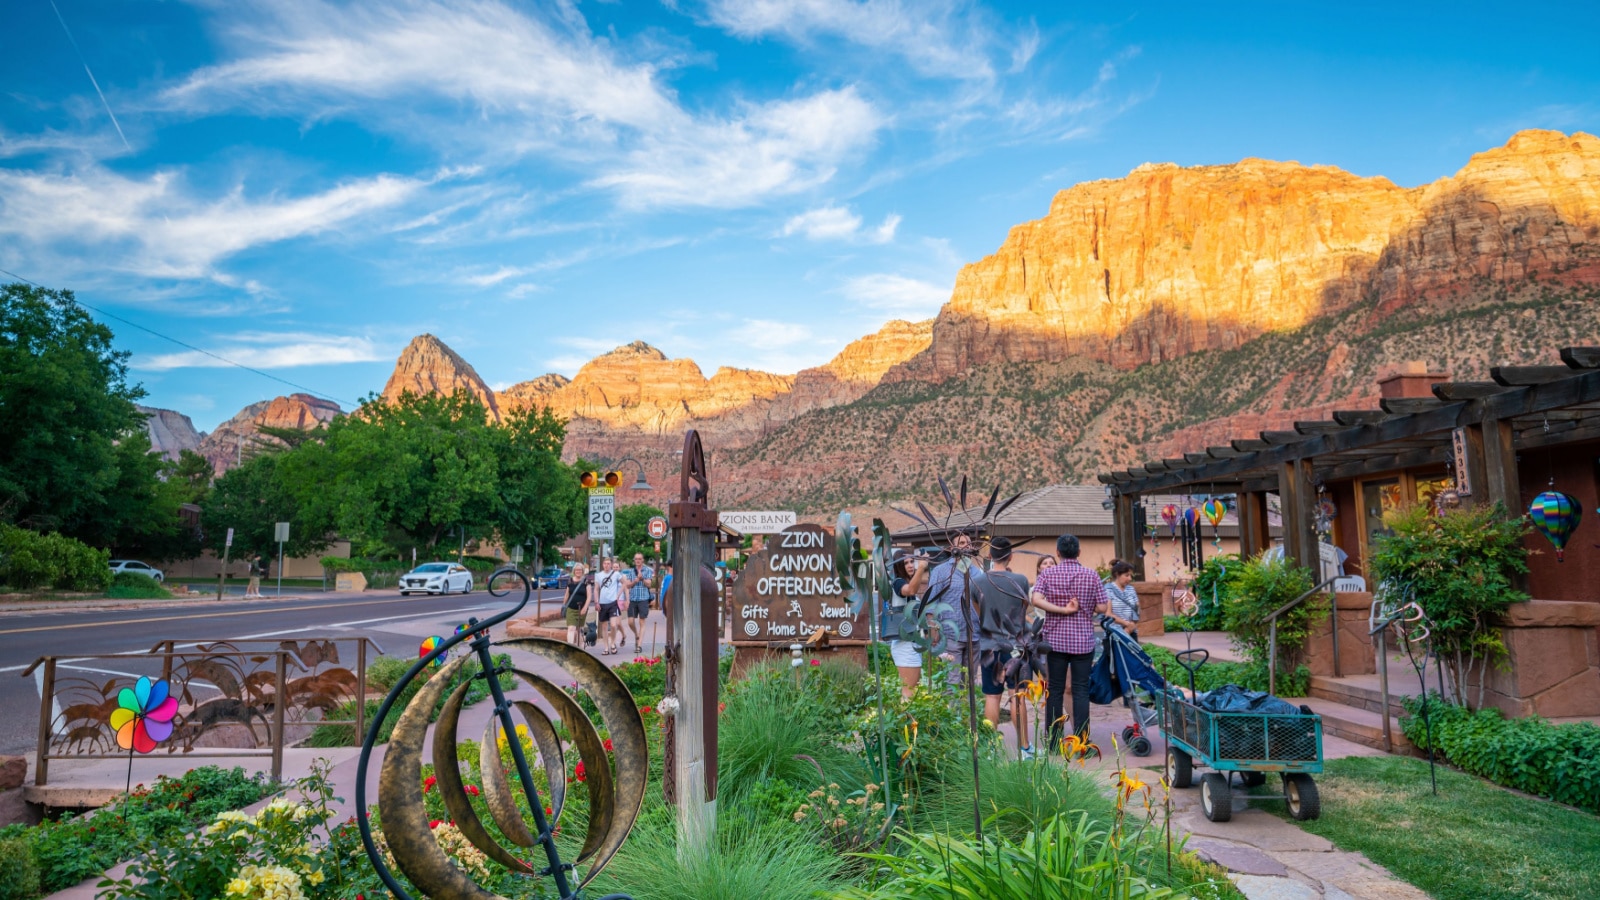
<point x="1002" y="616"/>
<point x="910" y="578"/>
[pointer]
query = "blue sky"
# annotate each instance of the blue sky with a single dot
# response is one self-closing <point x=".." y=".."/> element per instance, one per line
<point x="303" y="186"/>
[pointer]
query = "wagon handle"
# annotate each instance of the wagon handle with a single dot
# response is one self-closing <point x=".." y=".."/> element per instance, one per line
<point x="1204" y="655"/>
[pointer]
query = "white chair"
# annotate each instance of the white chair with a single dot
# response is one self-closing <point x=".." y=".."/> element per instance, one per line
<point x="1350" y="584"/>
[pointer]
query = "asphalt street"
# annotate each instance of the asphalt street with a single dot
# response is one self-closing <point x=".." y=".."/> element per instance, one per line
<point x="393" y="621"/>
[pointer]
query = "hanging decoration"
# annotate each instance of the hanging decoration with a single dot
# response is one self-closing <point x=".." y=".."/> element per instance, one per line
<point x="1169" y="515"/>
<point x="1556" y="515"/>
<point x="1215" y="510"/>
<point x="430" y="644"/>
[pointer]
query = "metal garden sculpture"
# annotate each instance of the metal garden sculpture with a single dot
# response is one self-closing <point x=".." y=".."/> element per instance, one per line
<point x="615" y="799"/>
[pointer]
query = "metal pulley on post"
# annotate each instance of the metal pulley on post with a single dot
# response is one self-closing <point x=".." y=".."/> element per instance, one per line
<point x="692" y="638"/>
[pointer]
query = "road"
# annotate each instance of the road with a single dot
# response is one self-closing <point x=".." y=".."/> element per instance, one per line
<point x="393" y="621"/>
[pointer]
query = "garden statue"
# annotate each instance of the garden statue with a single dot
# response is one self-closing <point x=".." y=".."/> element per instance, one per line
<point x="614" y="798"/>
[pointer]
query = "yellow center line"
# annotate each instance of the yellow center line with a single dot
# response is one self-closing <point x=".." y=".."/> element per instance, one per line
<point x="243" y="612"/>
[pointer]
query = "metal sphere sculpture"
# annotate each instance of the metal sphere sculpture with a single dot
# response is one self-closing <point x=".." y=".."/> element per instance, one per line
<point x="1556" y="515"/>
<point x="615" y="798"/>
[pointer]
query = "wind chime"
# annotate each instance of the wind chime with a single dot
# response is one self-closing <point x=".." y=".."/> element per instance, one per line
<point x="1191" y="538"/>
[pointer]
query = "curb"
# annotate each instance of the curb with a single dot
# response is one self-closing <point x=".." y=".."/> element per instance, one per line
<point x="54" y="606"/>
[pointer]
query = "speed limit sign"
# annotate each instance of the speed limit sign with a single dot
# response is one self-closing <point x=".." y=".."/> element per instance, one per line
<point x="657" y="528"/>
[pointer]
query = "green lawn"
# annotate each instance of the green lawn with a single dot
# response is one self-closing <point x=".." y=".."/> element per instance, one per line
<point x="1474" y="841"/>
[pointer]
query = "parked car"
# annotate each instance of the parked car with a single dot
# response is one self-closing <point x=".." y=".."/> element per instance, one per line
<point x="554" y="577"/>
<point x="436" y="578"/>
<point x="118" y="566"/>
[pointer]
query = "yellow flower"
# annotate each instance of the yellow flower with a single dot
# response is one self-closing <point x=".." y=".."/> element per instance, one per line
<point x="238" y="887"/>
<point x="315" y="877"/>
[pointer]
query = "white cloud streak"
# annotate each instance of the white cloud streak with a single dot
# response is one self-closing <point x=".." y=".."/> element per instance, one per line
<point x="897" y="294"/>
<point x="540" y="85"/>
<point x="838" y="223"/>
<point x="266" y="350"/>
<point x="944" y="39"/>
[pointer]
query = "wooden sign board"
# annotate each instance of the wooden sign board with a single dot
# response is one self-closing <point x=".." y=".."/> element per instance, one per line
<point x="789" y="589"/>
<point x="350" y="581"/>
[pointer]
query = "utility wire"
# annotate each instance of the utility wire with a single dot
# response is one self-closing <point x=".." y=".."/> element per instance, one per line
<point x="174" y="340"/>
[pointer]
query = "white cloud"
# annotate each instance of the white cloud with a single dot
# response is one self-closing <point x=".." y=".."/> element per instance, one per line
<point x="838" y="223"/>
<point x="897" y="294"/>
<point x="155" y="226"/>
<point x="267" y="350"/>
<point x="542" y="85"/>
<point x="936" y="37"/>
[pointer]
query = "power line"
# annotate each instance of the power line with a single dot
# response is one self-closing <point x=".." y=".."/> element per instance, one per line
<point x="186" y="346"/>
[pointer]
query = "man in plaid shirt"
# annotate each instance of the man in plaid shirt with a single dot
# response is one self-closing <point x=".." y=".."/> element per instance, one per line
<point x="1070" y="596"/>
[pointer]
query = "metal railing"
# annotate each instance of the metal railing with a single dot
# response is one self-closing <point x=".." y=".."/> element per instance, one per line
<point x="217" y="684"/>
<point x="1272" y="632"/>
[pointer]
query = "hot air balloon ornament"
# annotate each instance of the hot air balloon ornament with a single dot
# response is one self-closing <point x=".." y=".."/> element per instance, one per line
<point x="1556" y="515"/>
<point x="1214" y="510"/>
<point x="1169" y="515"/>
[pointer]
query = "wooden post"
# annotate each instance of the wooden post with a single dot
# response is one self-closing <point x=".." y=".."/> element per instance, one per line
<point x="47" y="692"/>
<point x="280" y="691"/>
<point x="361" y="689"/>
<point x="1123" y="543"/>
<point x="692" y="645"/>
<point x="1254" y="534"/>
<point x="1477" y="474"/>
<point x="1500" y="466"/>
<point x="222" y="576"/>
<point x="1299" y="527"/>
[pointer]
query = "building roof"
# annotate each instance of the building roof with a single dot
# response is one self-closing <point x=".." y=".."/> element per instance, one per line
<point x="1053" y="510"/>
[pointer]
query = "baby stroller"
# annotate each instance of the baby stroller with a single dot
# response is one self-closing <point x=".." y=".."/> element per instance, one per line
<point x="1123" y="668"/>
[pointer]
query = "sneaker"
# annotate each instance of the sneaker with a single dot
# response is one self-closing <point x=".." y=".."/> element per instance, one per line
<point x="1027" y="753"/>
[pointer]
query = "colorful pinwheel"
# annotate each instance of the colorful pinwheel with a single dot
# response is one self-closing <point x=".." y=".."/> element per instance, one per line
<point x="1214" y="510"/>
<point x="1556" y="515"/>
<point x="143" y="717"/>
<point x="430" y="644"/>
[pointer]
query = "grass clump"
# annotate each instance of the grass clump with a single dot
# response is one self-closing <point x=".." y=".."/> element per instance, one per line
<point x="1473" y="841"/>
<point x="135" y="586"/>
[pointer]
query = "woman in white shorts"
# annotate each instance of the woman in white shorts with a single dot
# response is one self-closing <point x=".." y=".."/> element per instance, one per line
<point x="910" y="578"/>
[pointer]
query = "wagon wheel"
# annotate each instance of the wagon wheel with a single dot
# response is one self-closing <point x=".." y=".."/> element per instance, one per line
<point x="1301" y="792"/>
<point x="1216" y="797"/>
<point x="1180" y="768"/>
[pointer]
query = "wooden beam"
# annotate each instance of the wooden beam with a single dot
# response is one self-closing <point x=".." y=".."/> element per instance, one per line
<point x="1405" y="406"/>
<point x="1151" y="465"/>
<point x="1321" y="426"/>
<point x="1523" y="376"/>
<point x="1223" y="453"/>
<point x="1137" y="471"/>
<point x="1105" y="478"/>
<point x="1196" y="459"/>
<point x="1122" y="475"/>
<point x="1466" y="390"/>
<point x="1279" y="438"/>
<point x="1581" y="357"/>
<point x="1249" y="446"/>
<point x="1583" y="432"/>
<point x="1177" y="464"/>
<point x="1376" y="464"/>
<point x="1359" y="416"/>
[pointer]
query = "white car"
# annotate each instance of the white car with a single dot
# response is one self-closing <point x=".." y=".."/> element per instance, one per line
<point x="118" y="566"/>
<point x="436" y="578"/>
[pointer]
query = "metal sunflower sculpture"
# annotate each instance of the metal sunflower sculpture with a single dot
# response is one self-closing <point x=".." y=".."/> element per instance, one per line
<point x="950" y="606"/>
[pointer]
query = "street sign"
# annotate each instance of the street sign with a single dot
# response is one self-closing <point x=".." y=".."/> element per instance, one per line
<point x="602" y="516"/>
<point x="516" y="554"/>
<point x="657" y="528"/>
<point x="228" y="542"/>
<point x="280" y="532"/>
<point x="760" y="522"/>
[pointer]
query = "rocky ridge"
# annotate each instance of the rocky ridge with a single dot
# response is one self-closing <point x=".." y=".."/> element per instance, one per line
<point x="240" y="436"/>
<point x="171" y="432"/>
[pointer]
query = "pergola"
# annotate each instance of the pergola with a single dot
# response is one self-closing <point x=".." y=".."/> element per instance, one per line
<point x="1477" y="427"/>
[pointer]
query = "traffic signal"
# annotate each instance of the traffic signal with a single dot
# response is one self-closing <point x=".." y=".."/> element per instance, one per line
<point x="595" y="479"/>
<point x="613" y="479"/>
<point x="589" y="479"/>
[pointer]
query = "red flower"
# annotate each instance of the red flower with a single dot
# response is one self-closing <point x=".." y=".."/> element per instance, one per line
<point x="643" y="710"/>
<point x="579" y="774"/>
<point x="548" y="811"/>
<point x="721" y="707"/>
<point x="434" y="824"/>
<point x="816" y="662"/>
<point x="607" y="745"/>
<point x="471" y="789"/>
<point x="427" y="783"/>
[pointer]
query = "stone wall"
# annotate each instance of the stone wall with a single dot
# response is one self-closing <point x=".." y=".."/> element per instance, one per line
<point x="1357" y="655"/>
<point x="1554" y="661"/>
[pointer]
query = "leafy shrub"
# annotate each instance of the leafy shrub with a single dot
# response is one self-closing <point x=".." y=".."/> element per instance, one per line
<point x="1213" y="586"/>
<point x="1262" y="587"/>
<point x="136" y="586"/>
<point x="19" y="871"/>
<point x="1216" y="673"/>
<point x="1459" y="567"/>
<point x="67" y="851"/>
<point x="1530" y="754"/>
<point x="30" y="560"/>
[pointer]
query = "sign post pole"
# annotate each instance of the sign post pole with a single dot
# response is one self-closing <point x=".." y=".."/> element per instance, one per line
<point x="692" y="660"/>
<point x="280" y="534"/>
<point x="227" y="545"/>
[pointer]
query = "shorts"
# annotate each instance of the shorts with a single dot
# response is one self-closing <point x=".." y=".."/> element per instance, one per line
<point x="609" y="611"/>
<point x="905" y="654"/>
<point x="575" y="618"/>
<point x="638" y="609"/>
<point x="992" y="686"/>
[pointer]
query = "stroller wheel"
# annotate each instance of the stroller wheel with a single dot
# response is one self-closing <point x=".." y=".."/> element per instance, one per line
<point x="1127" y="735"/>
<point x="1139" y="746"/>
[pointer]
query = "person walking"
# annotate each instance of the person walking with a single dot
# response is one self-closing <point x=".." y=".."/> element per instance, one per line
<point x="1070" y="595"/>
<point x="1002" y="616"/>
<point x="638" y="583"/>
<point x="910" y="577"/>
<point x="1124" y="599"/>
<point x="608" y="592"/>
<point x="580" y="599"/>
<point x="954" y="620"/>
<point x="257" y="567"/>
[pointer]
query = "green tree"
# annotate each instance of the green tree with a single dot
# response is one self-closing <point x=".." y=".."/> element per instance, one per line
<point x="251" y="499"/>
<point x="632" y="536"/>
<point x="194" y="473"/>
<point x="539" y="496"/>
<point x="65" y="402"/>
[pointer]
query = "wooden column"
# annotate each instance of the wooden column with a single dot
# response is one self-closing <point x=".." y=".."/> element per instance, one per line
<point x="1299" y="527"/>
<point x="1123" y="541"/>
<point x="1500" y="466"/>
<point x="1477" y="473"/>
<point x="1254" y="533"/>
<point x="692" y="659"/>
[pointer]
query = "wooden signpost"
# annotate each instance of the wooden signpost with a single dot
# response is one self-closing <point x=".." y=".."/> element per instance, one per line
<point x="787" y="592"/>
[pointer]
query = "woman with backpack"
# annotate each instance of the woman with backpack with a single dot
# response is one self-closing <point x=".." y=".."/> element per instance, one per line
<point x="580" y="597"/>
<point x="608" y="594"/>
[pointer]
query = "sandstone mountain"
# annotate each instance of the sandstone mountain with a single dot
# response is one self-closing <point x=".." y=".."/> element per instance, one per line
<point x="171" y="432"/>
<point x="1141" y="316"/>
<point x="240" y="437"/>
